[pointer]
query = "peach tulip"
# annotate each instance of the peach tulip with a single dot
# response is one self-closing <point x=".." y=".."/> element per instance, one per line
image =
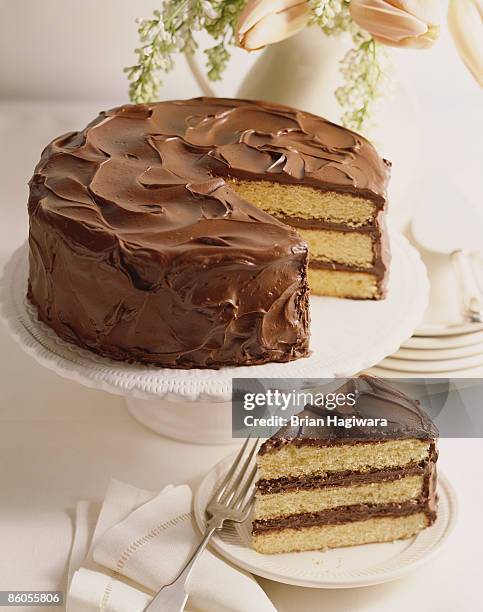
<point x="398" y="23"/>
<point x="264" y="22"/>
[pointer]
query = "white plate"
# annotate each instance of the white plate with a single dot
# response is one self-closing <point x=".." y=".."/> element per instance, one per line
<point x="383" y="372"/>
<point x="450" y="329"/>
<point x="347" y="336"/>
<point x="443" y="342"/>
<point x="449" y="365"/>
<point x="340" y="568"/>
<point x="439" y="354"/>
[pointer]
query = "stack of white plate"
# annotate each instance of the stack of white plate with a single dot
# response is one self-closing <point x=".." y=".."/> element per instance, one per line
<point x="437" y="351"/>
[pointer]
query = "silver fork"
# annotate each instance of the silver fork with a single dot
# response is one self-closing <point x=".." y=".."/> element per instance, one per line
<point x="228" y="503"/>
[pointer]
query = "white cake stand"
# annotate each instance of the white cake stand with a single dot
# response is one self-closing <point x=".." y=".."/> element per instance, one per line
<point x="194" y="405"/>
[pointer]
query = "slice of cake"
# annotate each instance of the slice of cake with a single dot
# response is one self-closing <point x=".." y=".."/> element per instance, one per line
<point x="327" y="486"/>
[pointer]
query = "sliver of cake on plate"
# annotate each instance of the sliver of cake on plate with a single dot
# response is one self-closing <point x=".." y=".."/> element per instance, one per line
<point x="328" y="486"/>
<point x="178" y="233"/>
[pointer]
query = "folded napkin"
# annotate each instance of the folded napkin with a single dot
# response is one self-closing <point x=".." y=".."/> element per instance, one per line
<point x="139" y="543"/>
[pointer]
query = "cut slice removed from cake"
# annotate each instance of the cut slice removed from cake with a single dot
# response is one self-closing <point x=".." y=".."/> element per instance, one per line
<point x="327" y="486"/>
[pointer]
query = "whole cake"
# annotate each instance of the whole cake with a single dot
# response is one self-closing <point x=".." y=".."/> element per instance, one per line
<point x="327" y="486"/>
<point x="160" y="233"/>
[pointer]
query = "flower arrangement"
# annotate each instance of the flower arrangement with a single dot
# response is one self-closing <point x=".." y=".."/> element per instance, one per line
<point x="254" y="24"/>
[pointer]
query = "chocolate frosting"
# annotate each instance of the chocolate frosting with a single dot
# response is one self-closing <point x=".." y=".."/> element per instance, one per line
<point x="374" y="399"/>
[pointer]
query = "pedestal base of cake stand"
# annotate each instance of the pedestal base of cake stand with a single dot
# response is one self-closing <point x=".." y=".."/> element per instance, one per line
<point x="195" y="422"/>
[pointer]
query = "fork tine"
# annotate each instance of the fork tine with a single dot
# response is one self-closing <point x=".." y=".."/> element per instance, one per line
<point x="235" y="482"/>
<point x="219" y="491"/>
<point x="238" y="500"/>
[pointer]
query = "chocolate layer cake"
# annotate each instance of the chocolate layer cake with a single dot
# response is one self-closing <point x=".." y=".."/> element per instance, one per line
<point x="159" y="232"/>
<point x="327" y="486"/>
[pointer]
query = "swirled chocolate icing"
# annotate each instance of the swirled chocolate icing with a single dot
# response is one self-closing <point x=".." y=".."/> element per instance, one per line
<point x="139" y="249"/>
<point x="375" y="399"/>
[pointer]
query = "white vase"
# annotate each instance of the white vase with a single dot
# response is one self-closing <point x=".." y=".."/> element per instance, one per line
<point x="303" y="71"/>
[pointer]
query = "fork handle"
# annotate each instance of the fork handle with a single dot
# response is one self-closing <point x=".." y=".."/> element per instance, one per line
<point x="472" y="300"/>
<point x="172" y="597"/>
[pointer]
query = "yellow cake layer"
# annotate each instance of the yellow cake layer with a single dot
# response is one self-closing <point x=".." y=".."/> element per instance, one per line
<point x="305" y="202"/>
<point x="343" y="284"/>
<point x="346" y="248"/>
<point x="291" y="460"/>
<point x="286" y="503"/>
<point x="330" y="246"/>
<point x="383" y="529"/>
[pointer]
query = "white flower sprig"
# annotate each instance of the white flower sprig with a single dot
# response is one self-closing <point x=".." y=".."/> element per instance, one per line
<point x="331" y="15"/>
<point x="361" y="67"/>
<point x="170" y="30"/>
<point x="364" y="72"/>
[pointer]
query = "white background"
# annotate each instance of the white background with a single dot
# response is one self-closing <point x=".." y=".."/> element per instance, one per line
<point x="60" y="62"/>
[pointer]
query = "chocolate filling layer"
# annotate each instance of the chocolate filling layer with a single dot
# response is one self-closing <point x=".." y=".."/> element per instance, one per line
<point x="298" y="222"/>
<point x="338" y="479"/>
<point x="330" y="265"/>
<point x="346" y="514"/>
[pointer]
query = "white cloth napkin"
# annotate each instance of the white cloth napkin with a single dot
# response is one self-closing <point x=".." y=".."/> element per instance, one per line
<point x="139" y="543"/>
